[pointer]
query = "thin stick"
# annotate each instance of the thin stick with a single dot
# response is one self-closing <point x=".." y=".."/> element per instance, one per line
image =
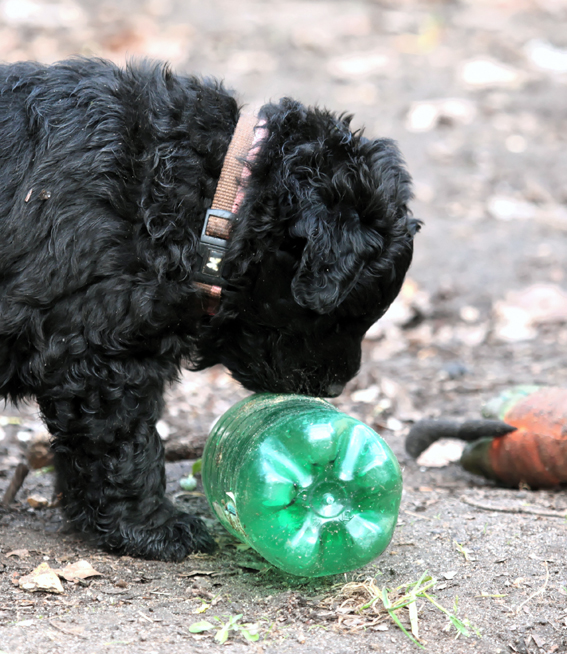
<point x="65" y="630"/>
<point x="20" y="474"/>
<point x="514" y="509"/>
<point x="537" y="592"/>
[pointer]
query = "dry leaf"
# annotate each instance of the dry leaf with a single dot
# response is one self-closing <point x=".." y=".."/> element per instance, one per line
<point x="503" y="207"/>
<point x="358" y="64"/>
<point x="19" y="553"/>
<point x="539" y="640"/>
<point x="366" y="395"/>
<point x="546" y="303"/>
<point x="423" y="116"/>
<point x="80" y="570"/>
<point x="483" y="73"/>
<point x="245" y="62"/>
<point x="37" y="501"/>
<point x="441" y="453"/>
<point x="42" y="578"/>
<point x="518" y="316"/>
<point x="471" y="335"/>
<point x="546" y="56"/>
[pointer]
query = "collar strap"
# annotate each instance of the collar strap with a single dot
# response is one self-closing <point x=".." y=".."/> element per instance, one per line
<point x="220" y="218"/>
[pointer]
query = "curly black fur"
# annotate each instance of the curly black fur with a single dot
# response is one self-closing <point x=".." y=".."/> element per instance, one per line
<point x="105" y="177"/>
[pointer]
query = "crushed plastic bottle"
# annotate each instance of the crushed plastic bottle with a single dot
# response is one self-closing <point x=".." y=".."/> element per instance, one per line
<point x="313" y="490"/>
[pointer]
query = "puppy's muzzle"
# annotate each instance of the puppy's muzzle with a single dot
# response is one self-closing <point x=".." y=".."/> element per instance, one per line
<point x="334" y="390"/>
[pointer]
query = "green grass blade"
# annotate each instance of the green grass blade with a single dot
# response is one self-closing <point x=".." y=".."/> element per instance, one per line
<point x="401" y="626"/>
<point x="456" y="622"/>
<point x="199" y="627"/>
<point x="412" y="607"/>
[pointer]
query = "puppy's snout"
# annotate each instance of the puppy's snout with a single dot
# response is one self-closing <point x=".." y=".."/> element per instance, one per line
<point x="333" y="390"/>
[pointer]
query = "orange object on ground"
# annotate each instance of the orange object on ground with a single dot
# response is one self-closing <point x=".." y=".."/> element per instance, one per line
<point x="536" y="453"/>
<point x="521" y="440"/>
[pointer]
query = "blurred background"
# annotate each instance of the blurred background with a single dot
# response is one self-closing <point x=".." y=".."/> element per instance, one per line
<point x="475" y="92"/>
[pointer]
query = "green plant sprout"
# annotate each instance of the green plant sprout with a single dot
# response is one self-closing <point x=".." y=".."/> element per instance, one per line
<point x="223" y="629"/>
<point x="463" y="550"/>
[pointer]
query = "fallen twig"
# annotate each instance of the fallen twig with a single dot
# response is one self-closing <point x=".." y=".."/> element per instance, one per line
<point x="537" y="592"/>
<point x="71" y="631"/>
<point x="145" y="617"/>
<point x="18" y="478"/>
<point x="514" y="509"/>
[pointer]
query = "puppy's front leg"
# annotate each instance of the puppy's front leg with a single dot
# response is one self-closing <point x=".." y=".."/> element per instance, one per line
<point x="110" y="465"/>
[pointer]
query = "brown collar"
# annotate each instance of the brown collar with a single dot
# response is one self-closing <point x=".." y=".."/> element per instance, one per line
<point x="220" y="218"/>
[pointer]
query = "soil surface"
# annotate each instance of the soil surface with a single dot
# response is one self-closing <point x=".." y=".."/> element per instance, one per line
<point x="484" y="309"/>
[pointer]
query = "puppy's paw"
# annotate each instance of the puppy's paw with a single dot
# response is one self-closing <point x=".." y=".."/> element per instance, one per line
<point x="175" y="538"/>
<point x="181" y="535"/>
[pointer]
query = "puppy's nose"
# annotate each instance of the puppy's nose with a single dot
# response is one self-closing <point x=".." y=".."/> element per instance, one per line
<point x="333" y="390"/>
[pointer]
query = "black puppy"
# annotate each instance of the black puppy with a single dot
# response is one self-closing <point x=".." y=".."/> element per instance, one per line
<point x="105" y="179"/>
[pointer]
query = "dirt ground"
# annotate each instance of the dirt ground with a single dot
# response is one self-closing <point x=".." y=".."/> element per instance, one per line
<point x="485" y="308"/>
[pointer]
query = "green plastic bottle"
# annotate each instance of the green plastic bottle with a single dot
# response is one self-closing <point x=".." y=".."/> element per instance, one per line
<point x="313" y="490"/>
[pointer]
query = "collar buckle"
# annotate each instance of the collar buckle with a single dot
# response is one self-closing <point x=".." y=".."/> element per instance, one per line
<point x="213" y="245"/>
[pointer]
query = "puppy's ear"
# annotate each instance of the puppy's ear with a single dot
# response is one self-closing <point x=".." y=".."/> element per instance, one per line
<point x="343" y="200"/>
<point x="333" y="257"/>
